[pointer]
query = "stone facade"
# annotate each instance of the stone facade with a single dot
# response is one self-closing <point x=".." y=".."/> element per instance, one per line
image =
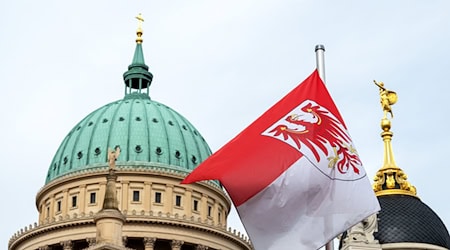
<point x="158" y="213"/>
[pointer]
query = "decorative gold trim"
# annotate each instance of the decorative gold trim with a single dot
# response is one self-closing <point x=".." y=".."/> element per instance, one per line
<point x="393" y="192"/>
<point x="394" y="181"/>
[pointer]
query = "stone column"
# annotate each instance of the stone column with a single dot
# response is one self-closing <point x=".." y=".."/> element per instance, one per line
<point x="149" y="243"/>
<point x="188" y="203"/>
<point x="169" y="199"/>
<point x="176" y="244"/>
<point x="109" y="224"/>
<point x="82" y="198"/>
<point x="41" y="214"/>
<point x="52" y="208"/>
<point x="125" y="195"/>
<point x="67" y="245"/>
<point x="147" y="196"/>
<point x="65" y="201"/>
<point x="201" y="247"/>
<point x="204" y="207"/>
<point x="101" y="191"/>
<point x="109" y="220"/>
<point x="215" y="213"/>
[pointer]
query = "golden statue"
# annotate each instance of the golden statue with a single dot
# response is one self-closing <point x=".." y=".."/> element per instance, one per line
<point x="387" y="98"/>
<point x="113" y="156"/>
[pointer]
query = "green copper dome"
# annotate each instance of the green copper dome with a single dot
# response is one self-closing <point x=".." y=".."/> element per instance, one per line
<point x="149" y="134"/>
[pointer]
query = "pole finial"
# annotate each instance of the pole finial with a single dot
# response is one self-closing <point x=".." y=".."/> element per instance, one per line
<point x="320" y="47"/>
<point x="139" y="31"/>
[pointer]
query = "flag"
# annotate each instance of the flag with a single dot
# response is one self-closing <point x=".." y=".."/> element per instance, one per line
<point x="294" y="174"/>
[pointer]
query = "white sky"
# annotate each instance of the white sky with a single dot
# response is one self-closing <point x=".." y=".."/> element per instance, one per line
<point x="221" y="64"/>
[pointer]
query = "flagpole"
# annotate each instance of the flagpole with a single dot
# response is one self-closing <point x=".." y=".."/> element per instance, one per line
<point x="320" y="61"/>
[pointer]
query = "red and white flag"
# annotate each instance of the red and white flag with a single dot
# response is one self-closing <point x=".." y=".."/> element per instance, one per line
<point x="294" y="174"/>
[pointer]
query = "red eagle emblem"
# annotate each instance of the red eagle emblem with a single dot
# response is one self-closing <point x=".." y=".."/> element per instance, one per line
<point x="316" y="128"/>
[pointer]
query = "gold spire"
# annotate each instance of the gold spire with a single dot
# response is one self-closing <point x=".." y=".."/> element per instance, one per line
<point x="390" y="179"/>
<point x="139" y="30"/>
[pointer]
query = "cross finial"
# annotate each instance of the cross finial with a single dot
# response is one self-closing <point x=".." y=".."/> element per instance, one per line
<point x="140" y="19"/>
<point x="139" y="31"/>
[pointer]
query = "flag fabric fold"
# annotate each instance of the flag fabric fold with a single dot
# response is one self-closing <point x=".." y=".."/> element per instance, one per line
<point x="294" y="174"/>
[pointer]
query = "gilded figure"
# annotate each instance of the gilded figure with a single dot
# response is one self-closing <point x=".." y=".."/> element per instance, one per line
<point x="387" y="98"/>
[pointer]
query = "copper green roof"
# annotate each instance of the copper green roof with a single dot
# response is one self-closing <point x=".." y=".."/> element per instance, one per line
<point x="137" y="76"/>
<point x="146" y="131"/>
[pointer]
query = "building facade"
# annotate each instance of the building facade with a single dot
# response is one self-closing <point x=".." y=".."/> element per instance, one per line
<point x="150" y="148"/>
<point x="114" y="183"/>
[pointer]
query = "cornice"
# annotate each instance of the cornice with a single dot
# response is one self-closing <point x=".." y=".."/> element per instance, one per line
<point x="134" y="217"/>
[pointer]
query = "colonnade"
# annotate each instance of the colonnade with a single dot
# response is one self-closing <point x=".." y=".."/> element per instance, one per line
<point x="149" y="243"/>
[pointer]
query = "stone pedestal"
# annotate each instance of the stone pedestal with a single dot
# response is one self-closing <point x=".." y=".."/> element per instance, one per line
<point x="109" y="224"/>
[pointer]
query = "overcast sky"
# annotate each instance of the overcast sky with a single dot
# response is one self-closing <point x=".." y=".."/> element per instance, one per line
<point x="221" y="64"/>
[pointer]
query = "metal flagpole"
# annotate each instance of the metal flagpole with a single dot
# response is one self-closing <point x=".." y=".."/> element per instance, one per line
<point x="320" y="61"/>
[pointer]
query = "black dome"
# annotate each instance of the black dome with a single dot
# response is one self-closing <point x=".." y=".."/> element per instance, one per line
<point x="405" y="218"/>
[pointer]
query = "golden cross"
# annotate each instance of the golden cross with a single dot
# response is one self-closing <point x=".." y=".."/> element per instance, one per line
<point x="140" y="19"/>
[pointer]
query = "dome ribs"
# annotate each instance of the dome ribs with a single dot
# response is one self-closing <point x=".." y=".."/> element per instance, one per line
<point x="147" y="132"/>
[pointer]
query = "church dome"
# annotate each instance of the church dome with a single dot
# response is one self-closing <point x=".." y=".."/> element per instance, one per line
<point x="145" y="131"/>
<point x="404" y="221"/>
<point x="404" y="218"/>
<point x="149" y="134"/>
<point x="115" y="181"/>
